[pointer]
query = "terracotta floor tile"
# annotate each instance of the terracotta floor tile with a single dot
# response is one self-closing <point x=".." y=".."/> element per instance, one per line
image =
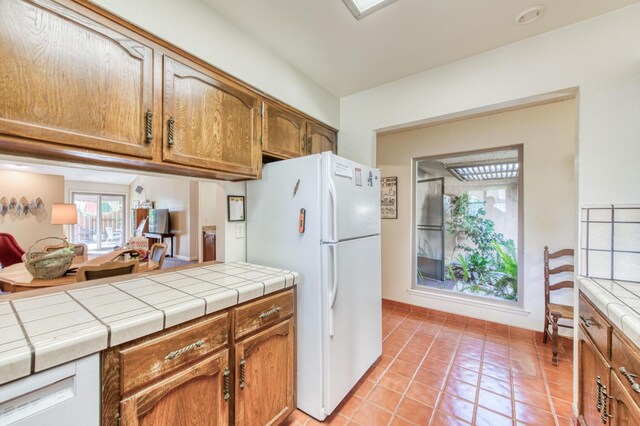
<point x="410" y="356"/>
<point x="414" y="411"/>
<point x="486" y="417"/>
<point x="435" y="365"/>
<point x="440" y="355"/>
<point x="349" y="406"/>
<point x="423" y="393"/>
<point x="497" y="372"/>
<point x="440" y="418"/>
<point x="430" y="378"/>
<point x="467" y="362"/>
<point x="535" y="384"/>
<point x="536" y="399"/>
<point x="532" y="415"/>
<point x="335" y="420"/>
<point x="394" y="382"/>
<point x="391" y="350"/>
<point x="384" y="361"/>
<point x="495" y="402"/>
<point x="363" y="389"/>
<point x="399" y="421"/>
<point x="562" y="408"/>
<point x="456" y="407"/>
<point x="464" y="375"/>
<point x="461" y="390"/>
<point x="403" y="368"/>
<point x="561" y="392"/>
<point x="371" y="415"/>
<point x="496" y="386"/>
<point x="385" y="398"/>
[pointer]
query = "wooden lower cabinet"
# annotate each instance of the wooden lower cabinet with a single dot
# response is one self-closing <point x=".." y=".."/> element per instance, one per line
<point x="624" y="411"/>
<point x="594" y="379"/>
<point x="197" y="395"/>
<point x="264" y="376"/>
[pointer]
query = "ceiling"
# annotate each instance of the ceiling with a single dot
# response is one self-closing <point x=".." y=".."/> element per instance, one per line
<point x="84" y="174"/>
<point x="323" y="40"/>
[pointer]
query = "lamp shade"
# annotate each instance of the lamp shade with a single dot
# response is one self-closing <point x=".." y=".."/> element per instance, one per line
<point x="64" y="214"/>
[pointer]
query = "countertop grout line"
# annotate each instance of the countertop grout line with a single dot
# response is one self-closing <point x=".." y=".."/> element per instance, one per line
<point x="95" y="316"/>
<point x="32" y="348"/>
<point x="164" y="315"/>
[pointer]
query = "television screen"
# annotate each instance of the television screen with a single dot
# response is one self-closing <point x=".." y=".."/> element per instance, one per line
<point x="159" y="221"/>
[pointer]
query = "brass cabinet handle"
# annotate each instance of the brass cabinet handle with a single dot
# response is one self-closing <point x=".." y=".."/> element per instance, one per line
<point x="242" y="382"/>
<point x="309" y="144"/>
<point x="630" y="378"/>
<point x="605" y="416"/>
<point x="270" y="312"/>
<point x="598" y="394"/>
<point x="173" y="354"/>
<point x="588" y="322"/>
<point x="149" y="126"/>
<point x="303" y="147"/>
<point x="225" y="377"/>
<point x="171" y="123"/>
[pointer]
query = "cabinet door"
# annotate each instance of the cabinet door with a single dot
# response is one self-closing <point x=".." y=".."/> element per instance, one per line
<point x="209" y="123"/>
<point x="69" y="80"/>
<point x="321" y="139"/>
<point x="594" y="380"/>
<point x="264" y="376"/>
<point x="284" y="133"/>
<point x="197" y="395"/>
<point x="624" y="410"/>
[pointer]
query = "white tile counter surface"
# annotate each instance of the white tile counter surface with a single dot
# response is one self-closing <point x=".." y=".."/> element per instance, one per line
<point x="619" y="300"/>
<point x="44" y="331"/>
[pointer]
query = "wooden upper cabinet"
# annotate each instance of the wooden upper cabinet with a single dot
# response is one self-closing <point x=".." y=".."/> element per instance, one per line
<point x="197" y="395"/>
<point x="284" y="132"/>
<point x="265" y="376"/>
<point x="208" y="122"/>
<point x="321" y="139"/>
<point x="70" y="80"/>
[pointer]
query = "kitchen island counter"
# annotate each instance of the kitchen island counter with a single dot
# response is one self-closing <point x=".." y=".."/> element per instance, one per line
<point x="48" y="328"/>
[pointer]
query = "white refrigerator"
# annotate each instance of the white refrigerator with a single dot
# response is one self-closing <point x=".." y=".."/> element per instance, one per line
<point x="337" y="253"/>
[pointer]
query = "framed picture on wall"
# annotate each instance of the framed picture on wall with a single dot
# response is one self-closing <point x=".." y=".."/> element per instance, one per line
<point x="389" y="197"/>
<point x="235" y="208"/>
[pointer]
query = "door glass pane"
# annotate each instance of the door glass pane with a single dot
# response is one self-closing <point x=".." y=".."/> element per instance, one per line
<point x="112" y="221"/>
<point x="86" y="231"/>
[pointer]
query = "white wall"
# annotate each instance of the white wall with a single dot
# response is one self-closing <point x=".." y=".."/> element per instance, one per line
<point x="199" y="30"/>
<point x="547" y="134"/>
<point x="601" y="56"/>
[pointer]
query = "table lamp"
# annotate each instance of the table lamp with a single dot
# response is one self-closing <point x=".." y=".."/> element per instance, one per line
<point x="64" y="214"/>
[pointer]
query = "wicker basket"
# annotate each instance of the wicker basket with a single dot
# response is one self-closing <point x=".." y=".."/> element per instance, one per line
<point x="49" y="267"/>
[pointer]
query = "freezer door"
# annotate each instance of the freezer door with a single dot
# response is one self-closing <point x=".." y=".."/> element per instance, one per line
<point x="351" y="199"/>
<point x="353" y="314"/>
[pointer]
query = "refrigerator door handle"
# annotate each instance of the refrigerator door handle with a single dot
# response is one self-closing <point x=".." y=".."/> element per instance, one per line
<point x="334" y="206"/>
<point x="334" y="289"/>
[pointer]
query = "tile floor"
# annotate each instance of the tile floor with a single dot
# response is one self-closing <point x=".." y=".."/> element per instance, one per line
<point x="438" y="371"/>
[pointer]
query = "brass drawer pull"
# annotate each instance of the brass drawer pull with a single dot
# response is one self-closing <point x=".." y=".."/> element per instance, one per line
<point x="225" y="375"/>
<point x="598" y="394"/>
<point x="270" y="312"/>
<point x="630" y="378"/>
<point x="170" y="138"/>
<point x="173" y="354"/>
<point x="588" y="322"/>
<point x="605" y="397"/>
<point x="149" y="126"/>
<point x="242" y="382"/>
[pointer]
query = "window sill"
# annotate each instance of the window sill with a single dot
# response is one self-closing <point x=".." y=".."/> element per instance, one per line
<point x="472" y="301"/>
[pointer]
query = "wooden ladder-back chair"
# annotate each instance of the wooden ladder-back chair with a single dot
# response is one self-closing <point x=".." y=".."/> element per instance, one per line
<point x="156" y="256"/>
<point x="553" y="312"/>
<point x="109" y="269"/>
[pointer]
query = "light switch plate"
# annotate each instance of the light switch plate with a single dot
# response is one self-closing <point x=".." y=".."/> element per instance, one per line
<point x="239" y="231"/>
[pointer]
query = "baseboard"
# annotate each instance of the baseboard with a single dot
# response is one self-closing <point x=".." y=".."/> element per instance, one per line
<point x="460" y="319"/>
<point x="185" y="258"/>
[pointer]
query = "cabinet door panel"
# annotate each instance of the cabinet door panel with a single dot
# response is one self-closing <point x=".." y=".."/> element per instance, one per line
<point x="593" y="378"/>
<point x="321" y="139"/>
<point x="267" y="394"/>
<point x="194" y="396"/>
<point x="70" y="80"/>
<point x="284" y="133"/>
<point x="624" y="410"/>
<point x="214" y="125"/>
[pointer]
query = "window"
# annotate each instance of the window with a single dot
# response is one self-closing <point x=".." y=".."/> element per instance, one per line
<point x="362" y="8"/>
<point x="101" y="220"/>
<point x="467" y="224"/>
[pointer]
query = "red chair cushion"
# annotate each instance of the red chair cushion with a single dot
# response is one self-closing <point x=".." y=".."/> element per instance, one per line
<point x="10" y="250"/>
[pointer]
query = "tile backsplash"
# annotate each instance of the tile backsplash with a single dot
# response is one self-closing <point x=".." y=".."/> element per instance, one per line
<point x="610" y="243"/>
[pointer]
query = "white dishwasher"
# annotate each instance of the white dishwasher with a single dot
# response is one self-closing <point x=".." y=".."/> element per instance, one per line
<point x="65" y="395"/>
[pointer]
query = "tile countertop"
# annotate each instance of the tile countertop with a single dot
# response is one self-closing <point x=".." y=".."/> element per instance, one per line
<point x="43" y="331"/>
<point x="619" y="300"/>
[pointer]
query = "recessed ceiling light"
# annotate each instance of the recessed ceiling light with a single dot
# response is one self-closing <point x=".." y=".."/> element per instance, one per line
<point x="531" y="14"/>
<point x="362" y="8"/>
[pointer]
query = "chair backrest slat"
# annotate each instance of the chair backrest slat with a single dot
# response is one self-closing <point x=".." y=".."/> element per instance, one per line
<point x="561" y="253"/>
<point x="109" y="269"/>
<point x="561" y="284"/>
<point x="548" y="287"/>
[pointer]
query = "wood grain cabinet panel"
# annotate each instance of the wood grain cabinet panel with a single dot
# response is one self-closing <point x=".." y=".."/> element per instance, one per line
<point x="209" y="123"/>
<point x="69" y="80"/>
<point x="264" y="372"/>
<point x="321" y="139"/>
<point x="284" y="133"/>
<point x="593" y="372"/>
<point x="624" y="411"/>
<point x="194" y="396"/>
<point x="263" y="313"/>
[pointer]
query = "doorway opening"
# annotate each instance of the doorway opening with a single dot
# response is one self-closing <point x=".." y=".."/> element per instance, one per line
<point x="101" y="220"/>
<point x="467" y="223"/>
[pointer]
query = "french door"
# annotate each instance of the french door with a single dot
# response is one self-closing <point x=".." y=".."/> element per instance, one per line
<point x="101" y="220"/>
<point x="430" y="229"/>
